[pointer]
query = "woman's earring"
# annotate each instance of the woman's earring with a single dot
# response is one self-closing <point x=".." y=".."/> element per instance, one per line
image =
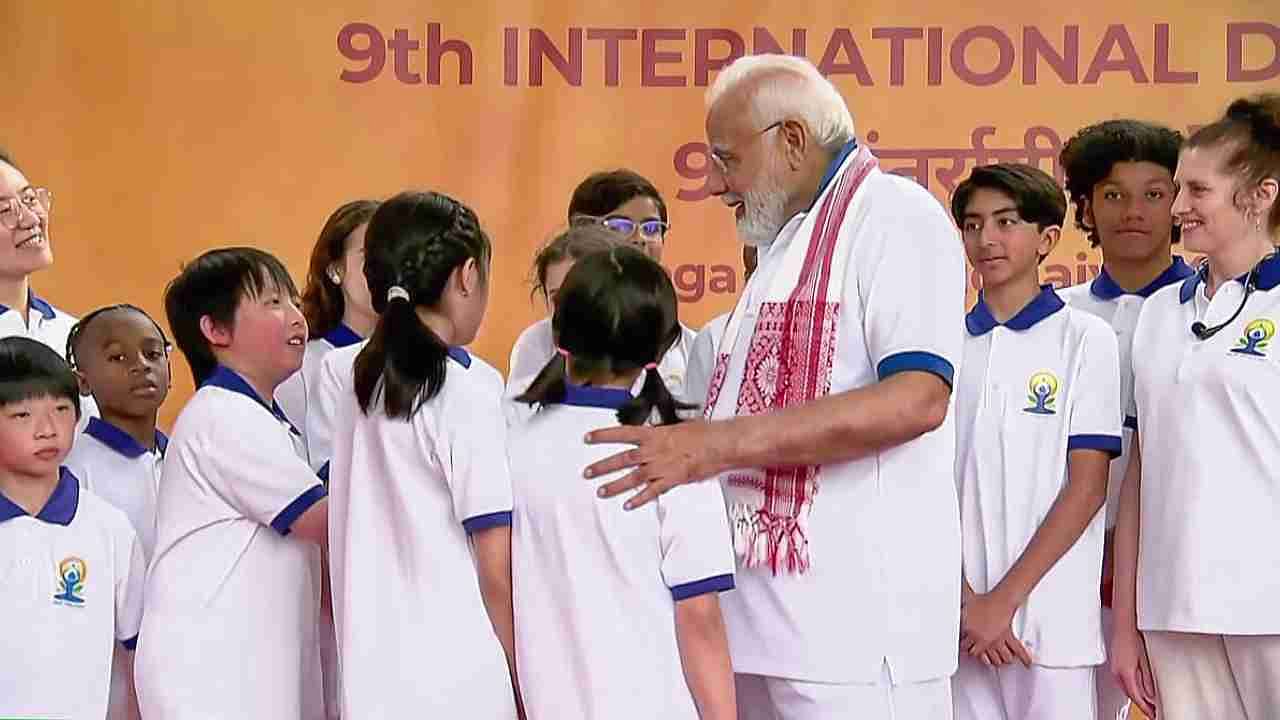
<point x="335" y="277"/>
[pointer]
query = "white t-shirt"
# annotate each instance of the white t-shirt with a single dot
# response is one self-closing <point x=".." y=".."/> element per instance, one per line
<point x="295" y="393"/>
<point x="51" y="326"/>
<point x="70" y="589"/>
<point x="232" y="601"/>
<point x="108" y="461"/>
<point x="1107" y="300"/>
<point x="536" y="346"/>
<point x="595" y="585"/>
<point x="1030" y="391"/>
<point x="702" y="360"/>
<point x="332" y="384"/>
<point x="413" y="634"/>
<point x="884" y="531"/>
<point x="1211" y="448"/>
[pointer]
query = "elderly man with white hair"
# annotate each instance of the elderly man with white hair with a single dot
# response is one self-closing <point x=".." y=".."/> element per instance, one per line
<point x="827" y="416"/>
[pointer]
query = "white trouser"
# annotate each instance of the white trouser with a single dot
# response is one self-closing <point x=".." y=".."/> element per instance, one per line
<point x="1016" y="692"/>
<point x="1224" y="677"/>
<point x="770" y="698"/>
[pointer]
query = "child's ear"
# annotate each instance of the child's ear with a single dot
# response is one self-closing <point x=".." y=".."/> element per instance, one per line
<point x="1049" y="238"/>
<point x="83" y="384"/>
<point x="467" y="276"/>
<point x="214" y="332"/>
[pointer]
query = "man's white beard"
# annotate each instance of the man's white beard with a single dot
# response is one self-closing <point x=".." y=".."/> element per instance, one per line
<point x="765" y="210"/>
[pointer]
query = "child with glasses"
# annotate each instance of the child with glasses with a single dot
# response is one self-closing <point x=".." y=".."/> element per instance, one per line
<point x="25" y="249"/>
<point x="632" y="210"/>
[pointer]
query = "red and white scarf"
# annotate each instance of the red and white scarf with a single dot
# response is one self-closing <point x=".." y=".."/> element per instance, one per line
<point x="789" y="358"/>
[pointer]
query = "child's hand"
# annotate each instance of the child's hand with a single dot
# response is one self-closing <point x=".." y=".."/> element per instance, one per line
<point x="985" y="621"/>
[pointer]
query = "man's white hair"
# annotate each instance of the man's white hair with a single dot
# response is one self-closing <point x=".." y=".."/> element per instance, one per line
<point x="788" y="86"/>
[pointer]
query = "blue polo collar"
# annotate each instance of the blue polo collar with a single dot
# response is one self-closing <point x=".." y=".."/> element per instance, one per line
<point x="834" y="167"/>
<point x="1104" y="287"/>
<point x="341" y="336"/>
<point x="1268" y="277"/>
<point x="59" y="509"/>
<point x="121" y="441"/>
<point x="35" y="303"/>
<point x="593" y="396"/>
<point x="228" y="379"/>
<point x="980" y="321"/>
<point x="459" y="355"/>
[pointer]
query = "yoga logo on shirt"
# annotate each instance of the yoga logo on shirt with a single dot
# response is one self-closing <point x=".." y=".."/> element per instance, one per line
<point x="1042" y="393"/>
<point x="1257" y="336"/>
<point x="71" y="575"/>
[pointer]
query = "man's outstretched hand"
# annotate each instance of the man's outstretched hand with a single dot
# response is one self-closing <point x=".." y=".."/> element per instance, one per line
<point x="663" y="457"/>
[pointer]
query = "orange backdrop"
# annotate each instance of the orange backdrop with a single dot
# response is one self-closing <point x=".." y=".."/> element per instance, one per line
<point x="169" y="128"/>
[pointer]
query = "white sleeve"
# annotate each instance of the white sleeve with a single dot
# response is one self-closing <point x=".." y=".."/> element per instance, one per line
<point x="131" y="570"/>
<point x="257" y="472"/>
<point x="533" y="349"/>
<point x="697" y="555"/>
<point x="908" y="264"/>
<point x="702" y="361"/>
<point x="474" y="454"/>
<point x="1096" y="415"/>
<point x="324" y="396"/>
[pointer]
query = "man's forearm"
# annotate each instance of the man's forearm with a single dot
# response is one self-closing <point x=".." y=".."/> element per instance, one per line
<point x="836" y="428"/>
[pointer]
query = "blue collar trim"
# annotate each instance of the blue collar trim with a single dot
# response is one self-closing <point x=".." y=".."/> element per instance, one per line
<point x="342" y="336"/>
<point x="1104" y="287"/>
<point x="121" y="441"/>
<point x="834" y="167"/>
<point x="980" y="321"/>
<point x="459" y="355"/>
<point x="228" y="379"/>
<point x="1268" y="277"/>
<point x="59" y="509"/>
<point x="35" y="303"/>
<point x="593" y="396"/>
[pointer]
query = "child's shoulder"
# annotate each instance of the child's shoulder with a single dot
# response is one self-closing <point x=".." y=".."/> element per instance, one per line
<point x="92" y="510"/>
<point x="1086" y="323"/>
<point x="471" y="374"/>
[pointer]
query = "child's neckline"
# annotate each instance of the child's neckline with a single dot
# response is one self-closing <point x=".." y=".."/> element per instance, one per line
<point x="596" y="396"/>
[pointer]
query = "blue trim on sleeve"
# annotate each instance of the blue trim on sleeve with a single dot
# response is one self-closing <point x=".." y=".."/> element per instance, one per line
<point x="489" y="520"/>
<point x="131" y="644"/>
<point x="916" y="360"/>
<point x="716" y="583"/>
<point x="1131" y="422"/>
<point x="283" y="522"/>
<point x="323" y="472"/>
<point x="1109" y="444"/>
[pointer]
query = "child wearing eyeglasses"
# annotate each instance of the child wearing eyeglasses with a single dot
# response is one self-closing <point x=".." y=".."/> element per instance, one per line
<point x="25" y="249"/>
<point x="631" y="209"/>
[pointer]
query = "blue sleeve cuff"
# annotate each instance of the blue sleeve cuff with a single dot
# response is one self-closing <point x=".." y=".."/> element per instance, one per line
<point x="131" y="644"/>
<point x="323" y="473"/>
<point x="916" y="360"/>
<point x="717" y="583"/>
<point x="284" y="521"/>
<point x="1110" y="444"/>
<point x="489" y="520"/>
<point x="1131" y="422"/>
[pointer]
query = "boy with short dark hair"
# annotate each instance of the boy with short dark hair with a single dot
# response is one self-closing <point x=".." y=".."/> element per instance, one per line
<point x="72" y="566"/>
<point x="1038" y="419"/>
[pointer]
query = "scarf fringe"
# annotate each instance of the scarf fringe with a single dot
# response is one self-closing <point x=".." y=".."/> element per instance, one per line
<point x="763" y="539"/>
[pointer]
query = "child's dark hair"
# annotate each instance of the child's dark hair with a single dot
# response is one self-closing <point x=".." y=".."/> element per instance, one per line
<point x="414" y="243"/>
<point x="603" y="192"/>
<point x="1089" y="156"/>
<point x="574" y="243"/>
<point x="1034" y="192"/>
<point x="78" y="330"/>
<point x="322" y="302"/>
<point x="31" y="369"/>
<point x="214" y="284"/>
<point x="1251" y="126"/>
<point x="617" y="313"/>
